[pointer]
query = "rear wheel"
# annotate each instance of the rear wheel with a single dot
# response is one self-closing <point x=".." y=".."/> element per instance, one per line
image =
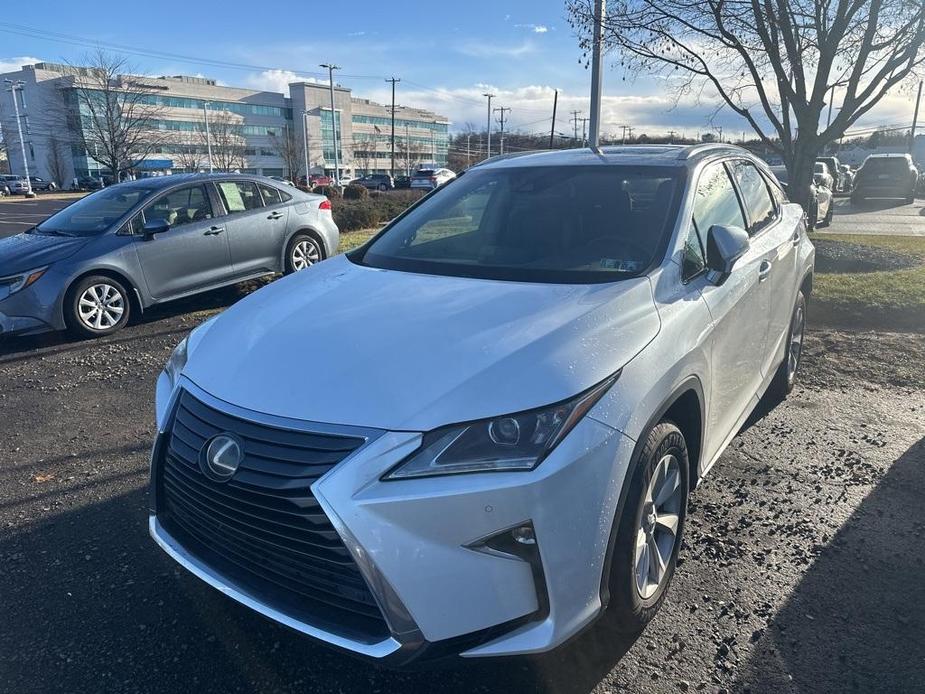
<point x="302" y="252"/>
<point x="786" y="375"/>
<point x="97" y="306"/>
<point x="650" y="530"/>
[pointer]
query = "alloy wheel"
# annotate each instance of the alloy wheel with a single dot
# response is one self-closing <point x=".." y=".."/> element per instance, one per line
<point x="304" y="253"/>
<point x="795" y="348"/>
<point x="101" y="306"/>
<point x="657" y="533"/>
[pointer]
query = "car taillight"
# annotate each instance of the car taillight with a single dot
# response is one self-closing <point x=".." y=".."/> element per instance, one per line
<point x="433" y="179"/>
<point x="325" y="205"/>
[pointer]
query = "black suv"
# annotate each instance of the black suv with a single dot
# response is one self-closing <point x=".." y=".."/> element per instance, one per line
<point x="376" y="182"/>
<point x="886" y="176"/>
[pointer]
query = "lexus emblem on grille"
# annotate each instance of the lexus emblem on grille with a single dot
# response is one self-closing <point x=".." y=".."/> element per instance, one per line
<point x="223" y="455"/>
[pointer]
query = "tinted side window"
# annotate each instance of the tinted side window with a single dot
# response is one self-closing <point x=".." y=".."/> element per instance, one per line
<point x="270" y="194"/>
<point x="715" y="201"/>
<point x="180" y="207"/>
<point x="757" y="198"/>
<point x="239" y="196"/>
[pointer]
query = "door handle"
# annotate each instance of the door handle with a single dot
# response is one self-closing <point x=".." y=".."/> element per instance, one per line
<point x="764" y="270"/>
<point x="214" y="231"/>
<point x="795" y="239"/>
<point x="275" y="215"/>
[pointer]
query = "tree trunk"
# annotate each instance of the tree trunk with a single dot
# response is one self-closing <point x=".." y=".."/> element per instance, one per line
<point x="800" y="171"/>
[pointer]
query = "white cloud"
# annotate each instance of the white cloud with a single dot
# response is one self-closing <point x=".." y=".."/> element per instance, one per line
<point x="277" y="80"/>
<point x="535" y="28"/>
<point x="479" y="49"/>
<point x="15" y="64"/>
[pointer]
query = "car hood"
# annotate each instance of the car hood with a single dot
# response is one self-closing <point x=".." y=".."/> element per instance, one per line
<point x="29" y="251"/>
<point x="346" y="344"/>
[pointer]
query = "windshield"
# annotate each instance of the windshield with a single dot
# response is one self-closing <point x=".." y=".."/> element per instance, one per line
<point x="537" y="224"/>
<point x="424" y="172"/>
<point x="95" y="213"/>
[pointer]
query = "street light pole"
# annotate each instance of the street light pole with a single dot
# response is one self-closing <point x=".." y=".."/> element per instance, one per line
<point x="488" y="148"/>
<point x="12" y="89"/>
<point x="596" y="73"/>
<point x="305" y="144"/>
<point x="205" y="115"/>
<point x="393" y="80"/>
<point x="331" y="68"/>
<point x="915" y="120"/>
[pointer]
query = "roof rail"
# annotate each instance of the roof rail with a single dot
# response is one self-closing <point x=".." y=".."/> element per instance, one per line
<point x="509" y="155"/>
<point x="695" y="150"/>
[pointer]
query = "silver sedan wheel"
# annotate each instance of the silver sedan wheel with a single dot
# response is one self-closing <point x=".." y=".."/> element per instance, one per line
<point x="101" y="306"/>
<point x="304" y="253"/>
<point x="658" y="528"/>
<point x="795" y="348"/>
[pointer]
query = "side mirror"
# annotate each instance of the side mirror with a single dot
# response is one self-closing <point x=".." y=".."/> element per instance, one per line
<point x="725" y="245"/>
<point x="154" y="226"/>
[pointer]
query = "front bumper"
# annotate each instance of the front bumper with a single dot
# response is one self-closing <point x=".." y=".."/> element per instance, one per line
<point x="35" y="309"/>
<point x="414" y="541"/>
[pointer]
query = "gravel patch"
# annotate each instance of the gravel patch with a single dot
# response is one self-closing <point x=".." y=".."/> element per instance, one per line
<point x="841" y="257"/>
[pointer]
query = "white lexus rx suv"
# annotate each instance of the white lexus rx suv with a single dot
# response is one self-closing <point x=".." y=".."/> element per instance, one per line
<point x="477" y="433"/>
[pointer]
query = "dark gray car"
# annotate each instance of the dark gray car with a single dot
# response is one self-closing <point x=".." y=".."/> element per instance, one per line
<point x="122" y="249"/>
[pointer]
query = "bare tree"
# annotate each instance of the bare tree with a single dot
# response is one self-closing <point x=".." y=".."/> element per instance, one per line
<point x="364" y="147"/>
<point x="289" y="148"/>
<point x="408" y="154"/>
<point x="189" y="156"/>
<point x="226" y="133"/>
<point x="118" y="113"/>
<point x="56" y="158"/>
<point x="776" y="63"/>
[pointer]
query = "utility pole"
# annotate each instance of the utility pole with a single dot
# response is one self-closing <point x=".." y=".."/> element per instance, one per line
<point x="575" y="123"/>
<point x="205" y="115"/>
<point x="584" y="132"/>
<point x="915" y="119"/>
<point x="624" y="133"/>
<point x="12" y="89"/>
<point x="305" y="144"/>
<point x="501" y="110"/>
<point x="407" y="150"/>
<point x="597" y="50"/>
<point x="331" y="67"/>
<point x="393" y="80"/>
<point x="552" y="131"/>
<point x="433" y="146"/>
<point x="671" y="134"/>
<point x="468" y="149"/>
<point x="488" y="149"/>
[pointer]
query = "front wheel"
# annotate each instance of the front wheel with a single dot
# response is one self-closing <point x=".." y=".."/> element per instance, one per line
<point x="97" y="306"/>
<point x="650" y="530"/>
<point x="303" y="251"/>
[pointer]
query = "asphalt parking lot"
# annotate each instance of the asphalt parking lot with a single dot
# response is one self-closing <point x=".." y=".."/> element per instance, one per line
<point x="801" y="570"/>
<point x="18" y="214"/>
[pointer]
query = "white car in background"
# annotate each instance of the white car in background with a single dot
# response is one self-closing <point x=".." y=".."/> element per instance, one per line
<point x="431" y="178"/>
<point x="477" y="433"/>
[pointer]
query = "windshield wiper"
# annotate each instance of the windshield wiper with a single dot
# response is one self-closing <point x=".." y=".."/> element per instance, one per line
<point x="52" y="232"/>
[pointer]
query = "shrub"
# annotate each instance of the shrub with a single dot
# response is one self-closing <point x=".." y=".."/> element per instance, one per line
<point x="330" y="191"/>
<point x="355" y="215"/>
<point x="355" y="192"/>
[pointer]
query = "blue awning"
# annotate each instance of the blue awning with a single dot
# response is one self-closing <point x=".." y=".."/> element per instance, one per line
<point x="150" y="164"/>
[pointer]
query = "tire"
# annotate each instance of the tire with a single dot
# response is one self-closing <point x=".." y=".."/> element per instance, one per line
<point x="383" y="187"/>
<point x="634" y="596"/>
<point x="303" y="251"/>
<point x="827" y="220"/>
<point x="812" y="219"/>
<point x="97" y="301"/>
<point x="786" y="375"/>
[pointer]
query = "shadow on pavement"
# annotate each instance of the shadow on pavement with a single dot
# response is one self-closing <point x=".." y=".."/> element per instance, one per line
<point x="91" y="604"/>
<point x="871" y="205"/>
<point x="856" y="620"/>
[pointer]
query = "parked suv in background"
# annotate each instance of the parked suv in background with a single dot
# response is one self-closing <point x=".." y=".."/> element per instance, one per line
<point x="834" y="170"/>
<point x="376" y="182"/>
<point x="478" y="432"/>
<point x="886" y="176"/>
<point x="129" y="246"/>
<point x="17" y="185"/>
<point x="431" y="178"/>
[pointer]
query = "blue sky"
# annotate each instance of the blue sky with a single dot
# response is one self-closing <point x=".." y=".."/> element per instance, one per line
<point x="447" y="54"/>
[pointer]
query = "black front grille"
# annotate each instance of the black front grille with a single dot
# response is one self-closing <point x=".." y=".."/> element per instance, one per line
<point x="264" y="529"/>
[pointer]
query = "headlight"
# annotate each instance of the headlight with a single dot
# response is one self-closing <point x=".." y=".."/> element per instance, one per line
<point x="13" y="283"/>
<point x="510" y="442"/>
<point x="177" y="361"/>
